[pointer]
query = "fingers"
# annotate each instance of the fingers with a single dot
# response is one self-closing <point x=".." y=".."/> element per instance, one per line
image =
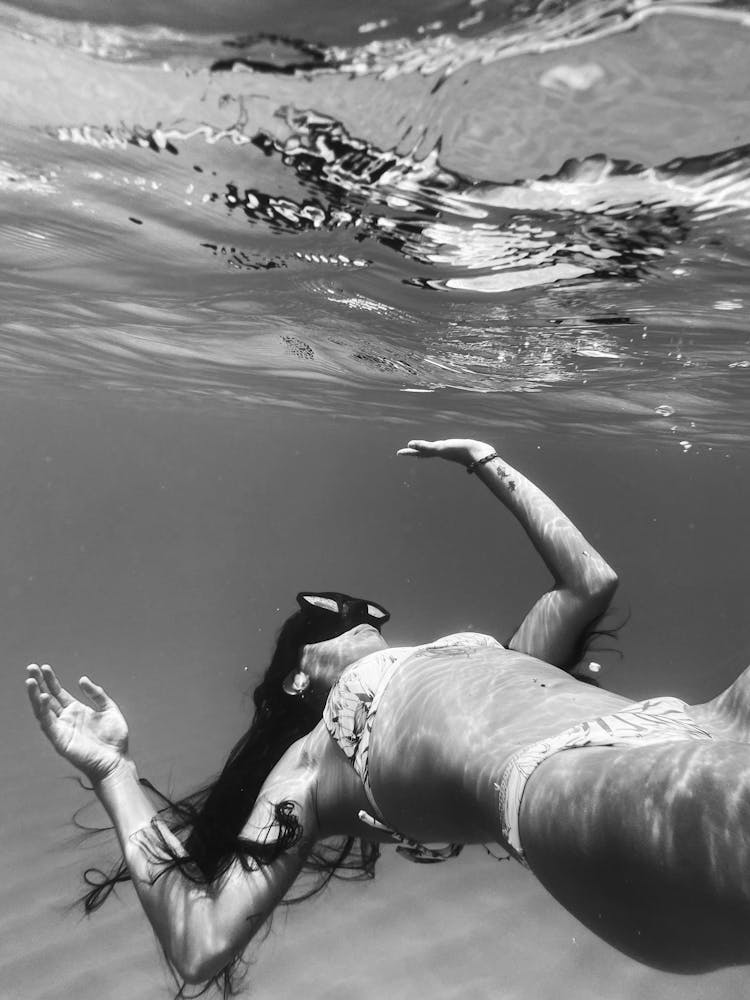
<point x="54" y="687"/>
<point x="35" y="697"/>
<point x="45" y="707"/>
<point x="97" y="694"/>
<point x="43" y="699"/>
<point x="421" y="449"/>
<point x="47" y="695"/>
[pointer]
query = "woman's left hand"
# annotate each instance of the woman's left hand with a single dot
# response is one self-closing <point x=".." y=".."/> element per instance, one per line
<point x="93" y="739"/>
<point x="464" y="451"/>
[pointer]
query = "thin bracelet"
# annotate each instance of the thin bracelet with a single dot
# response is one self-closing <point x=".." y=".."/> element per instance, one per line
<point x="481" y="461"/>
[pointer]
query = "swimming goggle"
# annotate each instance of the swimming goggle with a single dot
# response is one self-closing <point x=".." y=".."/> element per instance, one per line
<point x="330" y="613"/>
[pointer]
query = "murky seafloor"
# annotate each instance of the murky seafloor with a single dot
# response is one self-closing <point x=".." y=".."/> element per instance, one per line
<point x="243" y="260"/>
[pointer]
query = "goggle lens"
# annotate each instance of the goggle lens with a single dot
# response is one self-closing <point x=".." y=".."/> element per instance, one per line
<point x="326" y="603"/>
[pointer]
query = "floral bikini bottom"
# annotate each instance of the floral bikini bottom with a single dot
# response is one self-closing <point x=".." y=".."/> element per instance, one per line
<point x="657" y="720"/>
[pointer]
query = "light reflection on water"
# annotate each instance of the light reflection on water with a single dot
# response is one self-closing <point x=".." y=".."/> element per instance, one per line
<point x="253" y="252"/>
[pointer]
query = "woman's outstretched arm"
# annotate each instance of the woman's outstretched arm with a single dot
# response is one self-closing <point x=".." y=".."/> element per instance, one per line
<point x="200" y="928"/>
<point x="583" y="581"/>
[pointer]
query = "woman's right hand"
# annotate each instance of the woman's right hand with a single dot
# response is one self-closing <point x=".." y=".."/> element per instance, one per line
<point x="93" y="739"/>
<point x="461" y="450"/>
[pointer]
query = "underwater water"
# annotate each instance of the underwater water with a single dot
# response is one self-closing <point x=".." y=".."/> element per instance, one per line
<point x="245" y="256"/>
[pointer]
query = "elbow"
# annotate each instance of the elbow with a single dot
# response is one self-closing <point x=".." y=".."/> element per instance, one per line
<point x="200" y="952"/>
<point x="602" y="587"/>
<point x="200" y="961"/>
<point x="195" y="975"/>
<point x="199" y="968"/>
<point x="607" y="582"/>
<point x="191" y="967"/>
<point x="597" y="586"/>
<point x="190" y="973"/>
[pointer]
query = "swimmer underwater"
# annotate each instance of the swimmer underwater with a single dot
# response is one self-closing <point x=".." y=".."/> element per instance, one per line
<point x="634" y="816"/>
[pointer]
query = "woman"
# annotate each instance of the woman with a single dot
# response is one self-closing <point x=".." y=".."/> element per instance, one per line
<point x="641" y="827"/>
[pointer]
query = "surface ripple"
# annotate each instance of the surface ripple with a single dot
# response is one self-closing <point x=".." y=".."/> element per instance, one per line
<point x="278" y="233"/>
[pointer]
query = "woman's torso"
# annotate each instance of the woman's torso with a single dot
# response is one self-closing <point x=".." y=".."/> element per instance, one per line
<point x="447" y="721"/>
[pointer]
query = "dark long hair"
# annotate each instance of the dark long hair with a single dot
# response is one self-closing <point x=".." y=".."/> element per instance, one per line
<point x="209" y="821"/>
<point x="588" y="642"/>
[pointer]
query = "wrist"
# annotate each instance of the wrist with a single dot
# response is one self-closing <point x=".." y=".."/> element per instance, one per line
<point x="481" y="458"/>
<point x="478" y="450"/>
<point x="123" y="771"/>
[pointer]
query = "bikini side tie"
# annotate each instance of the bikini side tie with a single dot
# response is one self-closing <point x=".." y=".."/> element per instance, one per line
<point x="410" y="849"/>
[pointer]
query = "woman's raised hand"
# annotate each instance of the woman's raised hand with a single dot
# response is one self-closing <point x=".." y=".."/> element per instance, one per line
<point x="94" y="738"/>
<point x="461" y="450"/>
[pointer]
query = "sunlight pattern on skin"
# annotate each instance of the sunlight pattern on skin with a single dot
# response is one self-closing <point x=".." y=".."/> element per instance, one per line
<point x="657" y="720"/>
<point x="690" y="811"/>
<point x="325" y="661"/>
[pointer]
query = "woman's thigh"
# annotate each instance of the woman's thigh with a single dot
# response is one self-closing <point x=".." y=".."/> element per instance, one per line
<point x="649" y="847"/>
